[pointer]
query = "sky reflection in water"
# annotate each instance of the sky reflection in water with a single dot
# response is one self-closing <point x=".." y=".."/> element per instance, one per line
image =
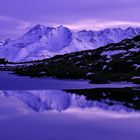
<point x="58" y="115"/>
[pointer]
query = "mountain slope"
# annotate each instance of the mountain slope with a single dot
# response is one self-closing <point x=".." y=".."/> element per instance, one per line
<point x="114" y="62"/>
<point x="45" y="42"/>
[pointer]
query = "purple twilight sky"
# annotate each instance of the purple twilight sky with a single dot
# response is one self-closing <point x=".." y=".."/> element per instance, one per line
<point x="18" y="16"/>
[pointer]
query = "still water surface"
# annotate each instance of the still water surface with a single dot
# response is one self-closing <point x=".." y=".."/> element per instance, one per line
<point x="40" y="109"/>
<point x="13" y="82"/>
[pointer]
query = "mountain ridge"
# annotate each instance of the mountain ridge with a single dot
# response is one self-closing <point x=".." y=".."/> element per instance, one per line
<point x="44" y="42"/>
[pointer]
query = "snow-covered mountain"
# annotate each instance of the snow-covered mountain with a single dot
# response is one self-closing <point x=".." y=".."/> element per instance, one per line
<point x="45" y="42"/>
<point x="111" y="63"/>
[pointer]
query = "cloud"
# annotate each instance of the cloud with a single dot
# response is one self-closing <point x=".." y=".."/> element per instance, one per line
<point x="16" y="18"/>
<point x="98" y="25"/>
<point x="5" y="18"/>
<point x="12" y="27"/>
<point x="17" y="28"/>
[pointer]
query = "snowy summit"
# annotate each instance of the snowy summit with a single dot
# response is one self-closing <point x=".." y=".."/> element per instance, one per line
<point x="45" y="42"/>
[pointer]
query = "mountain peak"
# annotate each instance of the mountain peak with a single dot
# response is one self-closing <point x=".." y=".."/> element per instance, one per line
<point x="129" y="28"/>
<point x="39" y="26"/>
<point x="61" y="26"/>
<point x="44" y="42"/>
<point x="34" y="34"/>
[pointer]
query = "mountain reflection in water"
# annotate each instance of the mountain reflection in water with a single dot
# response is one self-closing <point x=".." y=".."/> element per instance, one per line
<point x="107" y="99"/>
<point x="100" y="114"/>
